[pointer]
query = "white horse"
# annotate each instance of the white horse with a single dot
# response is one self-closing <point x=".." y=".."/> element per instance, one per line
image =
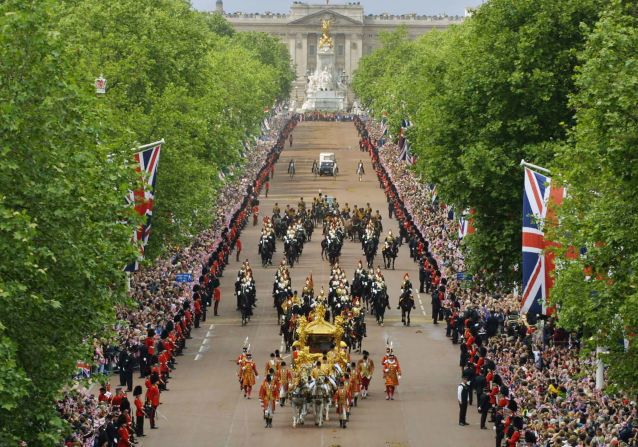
<point x="320" y="395"/>
<point x="298" y="401"/>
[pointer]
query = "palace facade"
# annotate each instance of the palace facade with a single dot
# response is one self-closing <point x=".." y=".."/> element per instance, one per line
<point x="355" y="34"/>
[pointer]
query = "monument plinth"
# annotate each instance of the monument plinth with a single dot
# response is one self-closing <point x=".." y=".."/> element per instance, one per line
<point x="325" y="91"/>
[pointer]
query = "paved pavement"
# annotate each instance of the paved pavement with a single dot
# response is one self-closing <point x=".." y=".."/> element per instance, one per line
<point x="205" y="407"/>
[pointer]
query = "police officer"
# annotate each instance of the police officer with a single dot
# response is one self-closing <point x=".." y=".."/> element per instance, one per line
<point x="462" y="396"/>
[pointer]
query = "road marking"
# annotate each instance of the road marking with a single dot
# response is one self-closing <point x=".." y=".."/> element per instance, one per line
<point x="421" y="304"/>
<point x="204" y="348"/>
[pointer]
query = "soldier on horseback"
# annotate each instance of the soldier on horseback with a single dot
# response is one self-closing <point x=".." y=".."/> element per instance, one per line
<point x="406" y="300"/>
<point x="379" y="295"/>
<point x="267" y="242"/>
<point x="390" y="250"/>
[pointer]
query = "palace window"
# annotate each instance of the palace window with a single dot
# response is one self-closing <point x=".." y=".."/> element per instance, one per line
<point x="312" y="50"/>
<point x="340" y="50"/>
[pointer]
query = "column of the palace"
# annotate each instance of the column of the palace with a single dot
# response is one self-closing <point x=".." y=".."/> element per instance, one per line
<point x="348" y="66"/>
<point x="358" y="53"/>
<point x="302" y="64"/>
<point x="292" y="44"/>
<point x="294" y="57"/>
<point x="304" y="54"/>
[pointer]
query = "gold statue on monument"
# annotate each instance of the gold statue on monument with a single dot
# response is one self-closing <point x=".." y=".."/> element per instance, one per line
<point x="326" y="40"/>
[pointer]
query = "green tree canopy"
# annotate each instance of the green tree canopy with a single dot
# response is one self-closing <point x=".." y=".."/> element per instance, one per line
<point x="483" y="96"/>
<point x="61" y="204"/>
<point x="177" y="74"/>
<point x="66" y="167"/>
<point x="600" y="213"/>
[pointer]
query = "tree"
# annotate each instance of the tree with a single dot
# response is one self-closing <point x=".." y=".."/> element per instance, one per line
<point x="180" y="75"/>
<point x="596" y="291"/>
<point x="489" y="92"/>
<point x="66" y="168"/>
<point x="61" y="208"/>
<point x="218" y="24"/>
<point x="270" y="52"/>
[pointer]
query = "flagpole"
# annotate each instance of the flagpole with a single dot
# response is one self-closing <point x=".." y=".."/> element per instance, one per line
<point x="529" y="165"/>
<point x="139" y="148"/>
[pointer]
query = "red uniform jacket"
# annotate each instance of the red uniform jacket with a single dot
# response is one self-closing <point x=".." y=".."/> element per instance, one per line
<point x="123" y="437"/>
<point x="139" y="407"/>
<point x="153" y="395"/>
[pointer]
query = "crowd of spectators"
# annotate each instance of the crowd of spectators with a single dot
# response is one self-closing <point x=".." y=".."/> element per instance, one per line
<point x="149" y="336"/>
<point x="327" y="116"/>
<point x="526" y="376"/>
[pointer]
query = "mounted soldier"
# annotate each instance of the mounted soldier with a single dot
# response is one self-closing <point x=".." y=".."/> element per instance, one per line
<point x="406" y="301"/>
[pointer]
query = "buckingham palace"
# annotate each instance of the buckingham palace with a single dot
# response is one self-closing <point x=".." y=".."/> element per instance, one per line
<point x="355" y="33"/>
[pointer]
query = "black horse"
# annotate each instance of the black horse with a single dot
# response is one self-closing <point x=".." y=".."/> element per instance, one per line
<point x="390" y="252"/>
<point x="280" y="297"/>
<point x="380" y="302"/>
<point x="370" y="250"/>
<point x="280" y="225"/>
<point x="245" y="306"/>
<point x="331" y="246"/>
<point x="319" y="212"/>
<point x="309" y="226"/>
<point x="406" y="304"/>
<point x="354" y="333"/>
<point x="291" y="250"/>
<point x="265" y="250"/>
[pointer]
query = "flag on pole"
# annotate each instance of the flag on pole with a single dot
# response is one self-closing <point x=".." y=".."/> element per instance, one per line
<point x="147" y="160"/>
<point x="538" y="199"/>
<point x="406" y="154"/>
<point x="466" y="225"/>
<point x="404" y="145"/>
<point x="433" y="192"/>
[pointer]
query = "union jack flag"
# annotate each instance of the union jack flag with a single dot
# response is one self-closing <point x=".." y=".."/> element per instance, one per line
<point x="466" y="226"/>
<point x="406" y="154"/>
<point x="143" y="198"/>
<point x="83" y="370"/>
<point x="538" y="264"/>
<point x="403" y="144"/>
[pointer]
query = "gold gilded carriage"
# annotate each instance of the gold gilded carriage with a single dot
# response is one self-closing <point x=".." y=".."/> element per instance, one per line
<point x="318" y="337"/>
